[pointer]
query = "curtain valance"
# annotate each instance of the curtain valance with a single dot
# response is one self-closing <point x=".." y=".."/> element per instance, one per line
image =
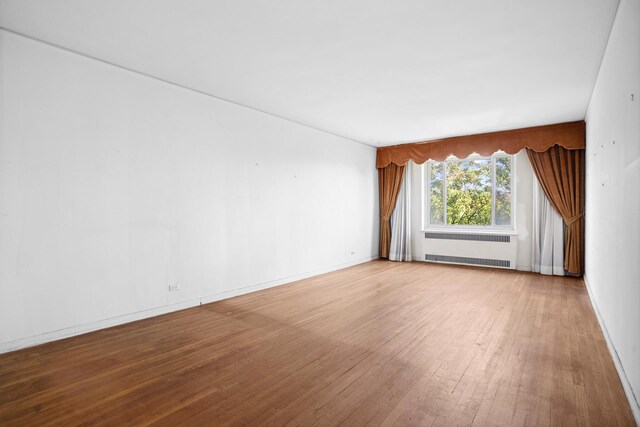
<point x="540" y="138"/>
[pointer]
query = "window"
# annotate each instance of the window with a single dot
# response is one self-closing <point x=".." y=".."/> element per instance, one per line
<point x="472" y="193"/>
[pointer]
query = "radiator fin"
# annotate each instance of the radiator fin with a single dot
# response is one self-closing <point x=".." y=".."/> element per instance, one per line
<point x="466" y="260"/>
<point x="504" y="238"/>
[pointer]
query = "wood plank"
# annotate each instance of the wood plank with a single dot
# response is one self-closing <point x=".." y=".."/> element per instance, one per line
<point x="381" y="343"/>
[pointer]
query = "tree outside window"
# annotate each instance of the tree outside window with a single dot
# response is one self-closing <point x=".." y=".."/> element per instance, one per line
<point x="473" y="192"/>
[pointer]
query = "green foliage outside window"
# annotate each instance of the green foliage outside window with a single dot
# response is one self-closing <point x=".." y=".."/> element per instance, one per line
<point x="469" y="192"/>
<point x="503" y="190"/>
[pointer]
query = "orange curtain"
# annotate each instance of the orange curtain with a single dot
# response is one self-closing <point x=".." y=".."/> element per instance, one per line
<point x="539" y="138"/>
<point x="560" y="173"/>
<point x="389" y="181"/>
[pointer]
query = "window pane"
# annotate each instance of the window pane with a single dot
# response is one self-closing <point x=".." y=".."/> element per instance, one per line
<point x="437" y="202"/>
<point x="503" y="191"/>
<point x="469" y="192"/>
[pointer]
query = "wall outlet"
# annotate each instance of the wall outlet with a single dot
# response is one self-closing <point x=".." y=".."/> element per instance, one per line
<point x="174" y="287"/>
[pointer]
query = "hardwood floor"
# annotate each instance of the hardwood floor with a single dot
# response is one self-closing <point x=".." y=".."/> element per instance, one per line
<point x="379" y="343"/>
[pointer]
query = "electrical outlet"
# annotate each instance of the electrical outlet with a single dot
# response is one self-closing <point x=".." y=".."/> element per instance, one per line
<point x="174" y="287"/>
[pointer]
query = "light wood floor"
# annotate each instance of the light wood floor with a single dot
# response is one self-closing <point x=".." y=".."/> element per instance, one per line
<point x="379" y="343"/>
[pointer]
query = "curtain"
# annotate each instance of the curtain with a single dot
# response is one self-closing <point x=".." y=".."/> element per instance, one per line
<point x="547" y="236"/>
<point x="560" y="173"/>
<point x="538" y="138"/>
<point x="389" y="181"/>
<point x="400" y="248"/>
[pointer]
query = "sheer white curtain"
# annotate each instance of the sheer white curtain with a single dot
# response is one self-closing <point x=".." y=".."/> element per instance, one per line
<point x="548" y="235"/>
<point x="400" y="249"/>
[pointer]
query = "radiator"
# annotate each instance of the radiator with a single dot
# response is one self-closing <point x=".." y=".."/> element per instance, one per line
<point x="487" y="250"/>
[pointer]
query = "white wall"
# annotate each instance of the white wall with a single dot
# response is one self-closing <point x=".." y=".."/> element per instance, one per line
<point x="613" y="196"/>
<point x="114" y="185"/>
<point x="524" y="209"/>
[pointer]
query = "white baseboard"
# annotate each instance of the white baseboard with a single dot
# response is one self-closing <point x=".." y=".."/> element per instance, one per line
<point x="156" y="311"/>
<point x="626" y="385"/>
<point x="253" y="288"/>
<point x="94" y="326"/>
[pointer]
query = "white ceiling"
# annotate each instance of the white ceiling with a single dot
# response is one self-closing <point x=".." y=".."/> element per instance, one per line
<point x="377" y="71"/>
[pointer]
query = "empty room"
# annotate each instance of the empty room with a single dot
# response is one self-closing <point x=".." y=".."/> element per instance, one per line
<point x="218" y="212"/>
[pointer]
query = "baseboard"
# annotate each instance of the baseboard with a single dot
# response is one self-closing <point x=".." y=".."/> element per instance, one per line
<point x="265" y="285"/>
<point x="626" y="385"/>
<point x="157" y="311"/>
<point x="94" y="326"/>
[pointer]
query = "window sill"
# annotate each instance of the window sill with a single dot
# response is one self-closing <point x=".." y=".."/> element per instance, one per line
<point x="503" y="231"/>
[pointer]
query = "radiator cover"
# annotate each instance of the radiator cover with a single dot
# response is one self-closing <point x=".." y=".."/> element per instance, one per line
<point x="466" y="260"/>
<point x="504" y="238"/>
<point x="496" y="250"/>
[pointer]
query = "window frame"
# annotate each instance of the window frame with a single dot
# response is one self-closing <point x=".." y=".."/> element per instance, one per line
<point x="426" y="197"/>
